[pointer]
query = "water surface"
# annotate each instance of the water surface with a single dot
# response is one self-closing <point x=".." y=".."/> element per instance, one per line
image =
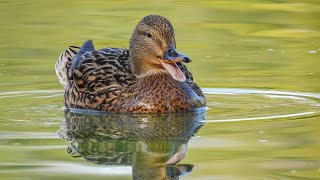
<point x="257" y="61"/>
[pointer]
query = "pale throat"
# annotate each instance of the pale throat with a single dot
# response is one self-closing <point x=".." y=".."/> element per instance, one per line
<point x="150" y="65"/>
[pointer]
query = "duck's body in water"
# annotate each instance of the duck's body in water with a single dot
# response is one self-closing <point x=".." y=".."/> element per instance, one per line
<point x="149" y="77"/>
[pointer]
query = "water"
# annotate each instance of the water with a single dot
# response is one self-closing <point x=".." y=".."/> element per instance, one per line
<point x="245" y="134"/>
<point x="262" y="121"/>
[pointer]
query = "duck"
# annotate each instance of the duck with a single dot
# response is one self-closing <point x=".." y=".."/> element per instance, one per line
<point x="148" y="77"/>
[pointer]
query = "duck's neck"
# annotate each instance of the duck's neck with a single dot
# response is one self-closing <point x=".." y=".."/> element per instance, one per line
<point x="151" y="73"/>
<point x="159" y="79"/>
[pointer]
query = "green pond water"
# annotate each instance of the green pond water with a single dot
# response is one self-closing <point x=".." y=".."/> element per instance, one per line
<point x="258" y="63"/>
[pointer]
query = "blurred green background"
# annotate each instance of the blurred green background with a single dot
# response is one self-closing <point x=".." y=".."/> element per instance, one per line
<point x="258" y="44"/>
<point x="249" y="44"/>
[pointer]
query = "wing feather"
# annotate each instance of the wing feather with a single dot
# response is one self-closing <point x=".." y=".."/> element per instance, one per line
<point x="103" y="69"/>
<point x="93" y="78"/>
<point x="189" y="80"/>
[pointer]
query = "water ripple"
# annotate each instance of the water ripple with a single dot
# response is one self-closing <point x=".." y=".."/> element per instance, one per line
<point x="260" y="118"/>
<point x="256" y="104"/>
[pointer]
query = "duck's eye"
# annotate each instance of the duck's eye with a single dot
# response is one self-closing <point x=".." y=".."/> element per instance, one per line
<point x="149" y="35"/>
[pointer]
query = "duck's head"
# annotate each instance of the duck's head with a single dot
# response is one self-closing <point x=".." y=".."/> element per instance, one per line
<point x="153" y="48"/>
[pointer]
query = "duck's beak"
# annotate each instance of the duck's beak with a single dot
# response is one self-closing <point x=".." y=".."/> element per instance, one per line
<point x="171" y="55"/>
<point x="169" y="60"/>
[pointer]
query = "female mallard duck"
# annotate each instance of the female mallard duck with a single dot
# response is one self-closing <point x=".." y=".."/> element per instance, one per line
<point x="149" y="77"/>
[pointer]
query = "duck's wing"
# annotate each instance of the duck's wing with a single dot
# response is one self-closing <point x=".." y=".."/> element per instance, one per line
<point x="106" y="69"/>
<point x="189" y="80"/>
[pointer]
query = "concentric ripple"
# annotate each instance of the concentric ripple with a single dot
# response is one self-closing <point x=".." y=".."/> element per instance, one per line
<point x="43" y="107"/>
<point x="231" y="104"/>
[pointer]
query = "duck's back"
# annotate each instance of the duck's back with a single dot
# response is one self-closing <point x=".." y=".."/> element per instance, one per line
<point x="92" y="76"/>
<point x="103" y="80"/>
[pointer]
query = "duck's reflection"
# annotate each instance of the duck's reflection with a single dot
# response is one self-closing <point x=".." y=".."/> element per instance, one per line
<point x="152" y="143"/>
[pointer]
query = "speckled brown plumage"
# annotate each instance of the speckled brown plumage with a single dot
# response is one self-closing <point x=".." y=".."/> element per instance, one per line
<point x="122" y="80"/>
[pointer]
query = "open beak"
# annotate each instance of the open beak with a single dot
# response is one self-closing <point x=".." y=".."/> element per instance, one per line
<point x="169" y="60"/>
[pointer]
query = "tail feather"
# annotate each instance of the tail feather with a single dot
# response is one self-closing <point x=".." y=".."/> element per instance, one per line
<point x="63" y="64"/>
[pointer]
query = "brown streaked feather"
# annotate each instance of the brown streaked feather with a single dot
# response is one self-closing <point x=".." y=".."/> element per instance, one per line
<point x="103" y="69"/>
<point x="103" y="80"/>
<point x="100" y="77"/>
<point x="109" y="80"/>
<point x="189" y="80"/>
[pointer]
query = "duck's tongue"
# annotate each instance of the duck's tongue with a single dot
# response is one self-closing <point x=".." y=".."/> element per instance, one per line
<point x="174" y="71"/>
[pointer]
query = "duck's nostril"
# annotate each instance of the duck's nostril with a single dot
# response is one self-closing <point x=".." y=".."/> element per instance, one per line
<point x="186" y="59"/>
